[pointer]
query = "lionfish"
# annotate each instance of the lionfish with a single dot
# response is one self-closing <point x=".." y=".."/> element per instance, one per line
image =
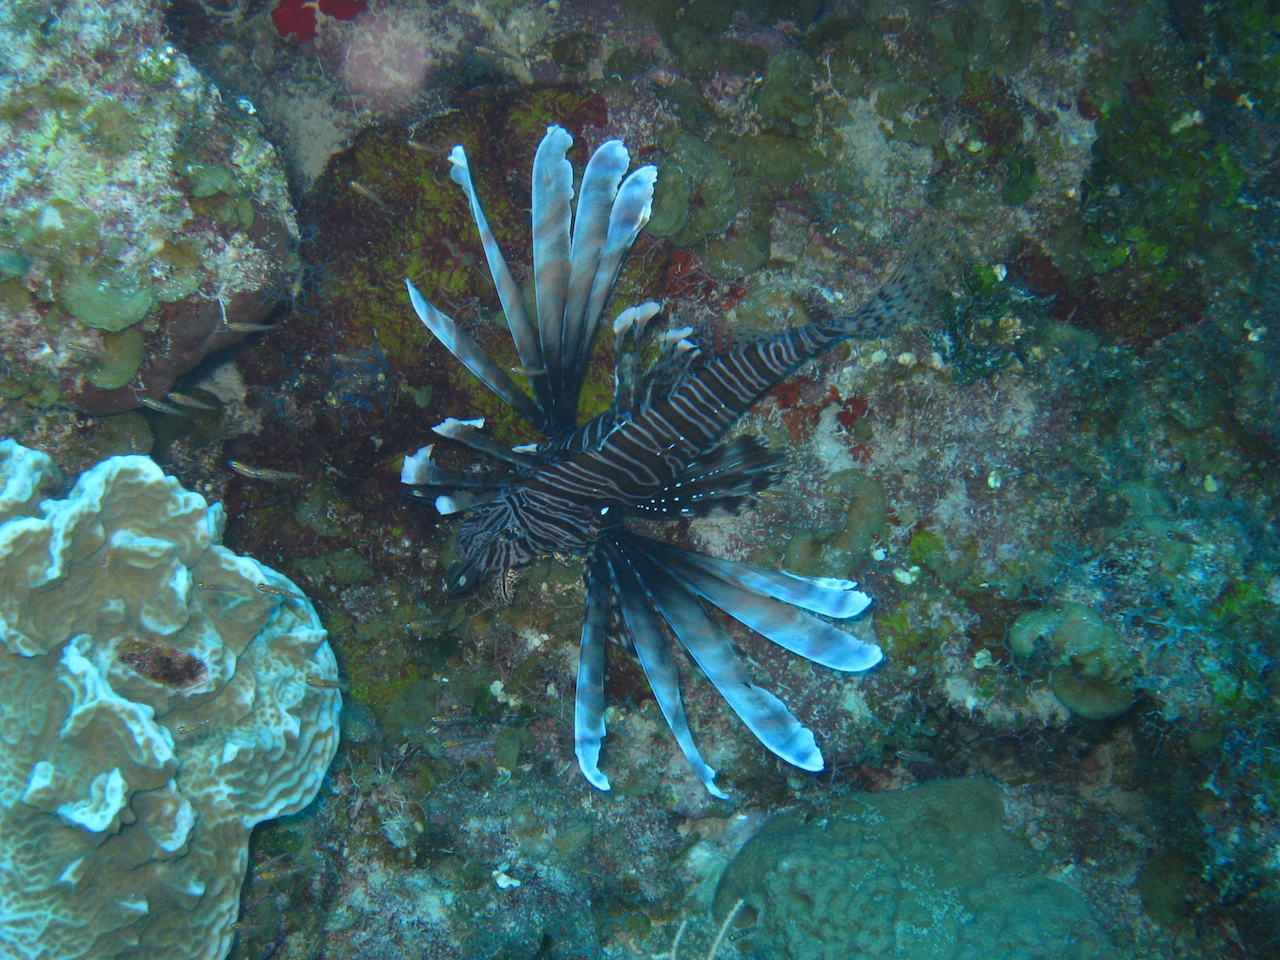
<point x="657" y="452"/>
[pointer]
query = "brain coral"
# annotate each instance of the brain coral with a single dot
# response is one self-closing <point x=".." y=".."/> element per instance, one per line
<point x="926" y="873"/>
<point x="155" y="704"/>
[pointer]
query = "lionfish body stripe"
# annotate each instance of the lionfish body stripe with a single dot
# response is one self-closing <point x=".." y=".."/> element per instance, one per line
<point x="655" y="453"/>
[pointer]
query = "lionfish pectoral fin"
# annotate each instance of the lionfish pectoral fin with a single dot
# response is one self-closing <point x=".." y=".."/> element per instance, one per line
<point x="644" y="631"/>
<point x="523" y="332"/>
<point x="418" y="468"/>
<point x="604" y="171"/>
<point x="552" y="191"/>
<point x="721" y="480"/>
<point x="471" y="356"/>
<point x="589" y="704"/>
<point x="766" y="601"/>
<point x="708" y="645"/>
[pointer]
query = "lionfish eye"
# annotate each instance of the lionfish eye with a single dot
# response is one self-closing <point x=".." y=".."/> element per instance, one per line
<point x="509" y="533"/>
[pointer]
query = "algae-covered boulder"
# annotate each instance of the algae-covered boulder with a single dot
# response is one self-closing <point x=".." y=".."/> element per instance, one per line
<point x="927" y="873"/>
<point x="144" y="221"/>
<point x="159" y="696"/>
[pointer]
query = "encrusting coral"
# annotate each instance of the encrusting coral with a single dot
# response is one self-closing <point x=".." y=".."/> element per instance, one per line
<point x="159" y="696"/>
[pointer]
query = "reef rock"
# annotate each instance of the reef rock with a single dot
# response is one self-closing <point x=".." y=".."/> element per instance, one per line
<point x="159" y="696"/>
<point x="145" y="221"/>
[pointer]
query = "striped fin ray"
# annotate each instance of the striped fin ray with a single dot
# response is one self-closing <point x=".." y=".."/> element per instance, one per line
<point x="468" y="433"/>
<point x="420" y="470"/>
<point x="719" y="481"/>
<point x="630" y="212"/>
<point x="766" y="601"/>
<point x="552" y="191"/>
<point x="471" y="356"/>
<point x="589" y="704"/>
<point x="604" y="171"/>
<point x="643" y="629"/>
<point x="460" y="500"/>
<point x="628" y="331"/>
<point x="709" y="646"/>
<point x="523" y="332"/>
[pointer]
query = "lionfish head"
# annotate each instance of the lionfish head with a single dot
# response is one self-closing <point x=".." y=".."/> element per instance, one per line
<point x="490" y="541"/>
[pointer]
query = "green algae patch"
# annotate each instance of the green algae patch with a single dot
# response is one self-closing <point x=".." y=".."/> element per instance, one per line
<point x="182" y="272"/>
<point x="110" y="300"/>
<point x="1091" y="671"/>
<point x="118" y="435"/>
<point x="1091" y="697"/>
<point x="951" y="563"/>
<point x="345" y="567"/>
<point x="121" y="359"/>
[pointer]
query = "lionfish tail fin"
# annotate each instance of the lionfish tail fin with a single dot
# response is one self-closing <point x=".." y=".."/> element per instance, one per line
<point x="935" y="257"/>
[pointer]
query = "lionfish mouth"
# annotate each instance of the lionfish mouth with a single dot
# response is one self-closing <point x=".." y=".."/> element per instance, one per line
<point x="461" y="578"/>
<point x="656" y="453"/>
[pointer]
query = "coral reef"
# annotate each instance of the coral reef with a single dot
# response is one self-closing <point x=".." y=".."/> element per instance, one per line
<point x="159" y="697"/>
<point x="1060" y="493"/>
<point x="920" y="874"/>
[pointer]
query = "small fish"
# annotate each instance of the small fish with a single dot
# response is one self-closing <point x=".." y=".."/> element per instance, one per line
<point x="275" y="591"/>
<point x="262" y="473"/>
<point x="276" y="869"/>
<point x="188" y="727"/>
<point x="322" y="683"/>
<point x="372" y="197"/>
<point x="249" y="327"/>
<point x="159" y="406"/>
<point x="186" y="401"/>
<point x="915" y="756"/>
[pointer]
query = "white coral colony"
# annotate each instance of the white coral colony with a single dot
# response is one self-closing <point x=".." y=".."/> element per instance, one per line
<point x="155" y="704"/>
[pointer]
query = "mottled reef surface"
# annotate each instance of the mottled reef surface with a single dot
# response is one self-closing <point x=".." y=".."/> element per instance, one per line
<point x="1061" y="491"/>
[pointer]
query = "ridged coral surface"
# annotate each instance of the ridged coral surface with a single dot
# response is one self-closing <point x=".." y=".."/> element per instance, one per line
<point x="156" y="702"/>
<point x="921" y="874"/>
